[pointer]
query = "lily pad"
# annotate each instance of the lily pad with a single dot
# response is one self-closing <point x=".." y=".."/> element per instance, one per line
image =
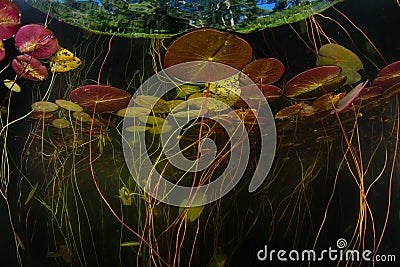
<point x="327" y="102"/>
<point x="314" y="83"/>
<point x="133" y="112"/>
<point x="185" y="90"/>
<point x="350" y="97"/>
<point x="289" y="111"/>
<point x="68" y="105"/>
<point x="12" y="85"/>
<point x="100" y="98"/>
<point x="82" y="116"/>
<point x="152" y="120"/>
<point x="370" y="94"/>
<point x="137" y="128"/>
<point x="388" y="76"/>
<point x="337" y="55"/>
<point x="265" y="70"/>
<point x="61" y="123"/>
<point x="63" y="61"/>
<point x="44" y="106"/>
<point x="392" y="90"/>
<point x="207" y="45"/>
<point x="10" y="19"/>
<point x="35" y="40"/>
<point x="29" y="68"/>
<point x="160" y="129"/>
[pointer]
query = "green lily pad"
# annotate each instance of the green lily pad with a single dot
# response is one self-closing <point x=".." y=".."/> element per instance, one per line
<point x="314" y="83"/>
<point x="44" y="106"/>
<point x="152" y="120"/>
<point x="337" y="55"/>
<point x="185" y="90"/>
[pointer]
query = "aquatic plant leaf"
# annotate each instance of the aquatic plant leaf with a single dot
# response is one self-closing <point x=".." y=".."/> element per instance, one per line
<point x="12" y="85"/>
<point x="327" y="102"/>
<point x="29" y="68"/>
<point x="82" y="116"/>
<point x="185" y="90"/>
<point x="194" y="207"/>
<point x="35" y="40"/>
<point x="265" y="70"/>
<point x="337" y="55"/>
<point x="350" y="97"/>
<point x="44" y="106"/>
<point x="125" y="196"/>
<point x="388" y="76"/>
<point x="61" y="123"/>
<point x="288" y="112"/>
<point x="68" y="105"/>
<point x="207" y="45"/>
<point x="160" y="129"/>
<point x="63" y="61"/>
<point x="130" y="244"/>
<point x="133" y="112"/>
<point x="31" y="194"/>
<point x="100" y="98"/>
<point x="314" y="83"/>
<point x="152" y="120"/>
<point x="2" y="51"/>
<point x="369" y="94"/>
<point x="9" y="19"/>
<point x="392" y="90"/>
<point x="137" y="128"/>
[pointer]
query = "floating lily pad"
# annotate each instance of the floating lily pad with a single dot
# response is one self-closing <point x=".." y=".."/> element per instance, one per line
<point x="35" y="40"/>
<point x="10" y="19"/>
<point x="265" y="70"/>
<point x="12" y="85"/>
<point x="100" y="98"/>
<point x="388" y="76"/>
<point x="2" y="50"/>
<point x="314" y="83"/>
<point x="82" y="116"/>
<point x="63" y="61"/>
<point x="61" y="123"/>
<point x="29" y="68"/>
<point x="207" y="45"/>
<point x="68" y="105"/>
<point x="337" y="55"/>
<point x="44" y="106"/>
<point x="133" y="112"/>
<point x="289" y="111"/>
<point x="195" y="207"/>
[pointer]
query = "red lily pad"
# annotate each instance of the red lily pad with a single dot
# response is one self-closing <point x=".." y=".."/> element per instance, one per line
<point x="29" y="68"/>
<point x="35" y="40"/>
<point x="265" y="70"/>
<point x="289" y="111"/>
<point x="392" y="90"/>
<point x="388" y="76"/>
<point x="369" y="94"/>
<point x="2" y="51"/>
<point x="208" y="45"/>
<point x="350" y="97"/>
<point x="9" y="19"/>
<point x="100" y="98"/>
<point x="314" y="83"/>
<point x="325" y="102"/>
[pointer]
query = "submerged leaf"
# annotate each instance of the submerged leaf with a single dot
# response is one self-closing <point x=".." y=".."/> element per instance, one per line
<point x="194" y="207"/>
<point x="9" y="19"/>
<point x="35" y="40"/>
<point x="63" y="61"/>
<point x="29" y="68"/>
<point x="130" y="244"/>
<point x="33" y="191"/>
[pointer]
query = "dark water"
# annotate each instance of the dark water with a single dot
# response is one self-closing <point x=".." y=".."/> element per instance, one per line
<point x="282" y="214"/>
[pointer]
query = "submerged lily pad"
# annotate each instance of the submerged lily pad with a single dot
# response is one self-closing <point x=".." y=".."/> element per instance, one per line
<point x="35" y="40"/>
<point x="133" y="112"/>
<point x="289" y="111"/>
<point x="327" y="102"/>
<point x="265" y="70"/>
<point x="350" y="97"/>
<point x="100" y="98"/>
<point x="29" y="68"/>
<point x="195" y="207"/>
<point x="61" y="123"/>
<point x="314" y="83"/>
<point x="388" y="76"/>
<point x="337" y="55"/>
<point x="392" y="90"/>
<point x="44" y="106"/>
<point x="68" y="105"/>
<point x="10" y="19"/>
<point x="207" y="45"/>
<point x="137" y="128"/>
<point x="12" y="85"/>
<point x="82" y="116"/>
